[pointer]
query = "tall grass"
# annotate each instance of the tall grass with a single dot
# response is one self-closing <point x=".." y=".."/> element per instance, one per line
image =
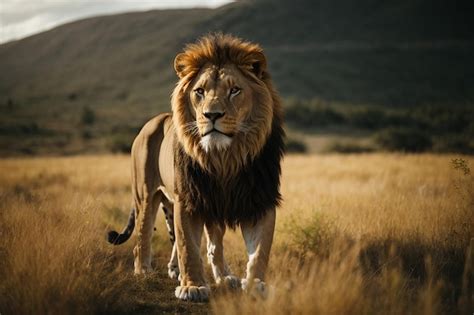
<point x="53" y="255"/>
<point x="54" y="214"/>
<point x="357" y="234"/>
<point x="371" y="234"/>
<point x="54" y="259"/>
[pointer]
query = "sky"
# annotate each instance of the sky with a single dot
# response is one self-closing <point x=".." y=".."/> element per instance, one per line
<point x="21" y="18"/>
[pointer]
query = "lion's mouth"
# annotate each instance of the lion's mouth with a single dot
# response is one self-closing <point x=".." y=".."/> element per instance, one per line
<point x="230" y="135"/>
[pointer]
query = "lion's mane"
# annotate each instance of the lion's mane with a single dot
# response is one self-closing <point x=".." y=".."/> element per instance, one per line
<point x="240" y="183"/>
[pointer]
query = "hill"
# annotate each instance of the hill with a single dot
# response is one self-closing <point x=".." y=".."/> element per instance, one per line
<point x="391" y="54"/>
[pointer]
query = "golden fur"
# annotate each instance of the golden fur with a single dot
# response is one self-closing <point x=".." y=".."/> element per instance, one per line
<point x="212" y="172"/>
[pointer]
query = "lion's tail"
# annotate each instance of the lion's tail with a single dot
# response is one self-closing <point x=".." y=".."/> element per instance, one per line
<point x="115" y="238"/>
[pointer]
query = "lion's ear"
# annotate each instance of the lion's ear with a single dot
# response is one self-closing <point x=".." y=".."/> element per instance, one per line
<point x="179" y="64"/>
<point x="258" y="63"/>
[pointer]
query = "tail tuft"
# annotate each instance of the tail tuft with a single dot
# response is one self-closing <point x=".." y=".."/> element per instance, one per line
<point x="113" y="237"/>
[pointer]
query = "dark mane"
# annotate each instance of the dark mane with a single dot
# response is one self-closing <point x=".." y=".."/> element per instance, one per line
<point x="243" y="198"/>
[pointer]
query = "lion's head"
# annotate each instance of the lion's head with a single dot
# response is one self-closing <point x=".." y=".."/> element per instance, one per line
<point x="224" y="104"/>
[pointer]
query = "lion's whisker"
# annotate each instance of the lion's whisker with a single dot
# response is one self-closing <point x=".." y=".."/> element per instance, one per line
<point x="190" y="124"/>
<point x="191" y="128"/>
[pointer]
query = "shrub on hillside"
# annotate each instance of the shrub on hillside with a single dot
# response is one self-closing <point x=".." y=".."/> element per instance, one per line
<point x="311" y="114"/>
<point x="347" y="147"/>
<point x="121" y="143"/>
<point x="366" y="118"/>
<point x="403" y="139"/>
<point x="454" y="144"/>
<point x="295" y="146"/>
<point x="87" y="116"/>
<point x="87" y="134"/>
<point x="443" y="119"/>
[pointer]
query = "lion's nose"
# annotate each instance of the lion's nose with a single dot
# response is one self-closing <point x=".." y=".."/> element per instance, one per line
<point x="213" y="116"/>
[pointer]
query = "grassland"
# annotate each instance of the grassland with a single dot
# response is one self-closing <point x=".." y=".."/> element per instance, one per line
<point x="367" y="233"/>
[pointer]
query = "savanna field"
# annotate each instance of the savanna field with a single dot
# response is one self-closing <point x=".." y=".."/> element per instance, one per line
<point x="362" y="233"/>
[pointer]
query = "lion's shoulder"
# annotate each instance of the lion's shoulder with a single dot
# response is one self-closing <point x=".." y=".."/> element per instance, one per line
<point x="156" y="124"/>
<point x="150" y="137"/>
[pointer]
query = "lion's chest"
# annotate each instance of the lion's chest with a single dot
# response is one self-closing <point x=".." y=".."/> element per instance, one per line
<point x="243" y="198"/>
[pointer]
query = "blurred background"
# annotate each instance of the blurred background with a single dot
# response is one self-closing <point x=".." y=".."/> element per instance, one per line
<point x="355" y="76"/>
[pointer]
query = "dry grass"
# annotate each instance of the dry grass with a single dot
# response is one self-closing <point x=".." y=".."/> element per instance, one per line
<point x="373" y="233"/>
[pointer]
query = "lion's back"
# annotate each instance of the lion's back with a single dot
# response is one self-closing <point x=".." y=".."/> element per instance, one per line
<point x="152" y="148"/>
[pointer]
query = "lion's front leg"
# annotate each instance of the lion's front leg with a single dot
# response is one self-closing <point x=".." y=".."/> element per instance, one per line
<point x="188" y="229"/>
<point x="258" y="240"/>
<point x="215" y="255"/>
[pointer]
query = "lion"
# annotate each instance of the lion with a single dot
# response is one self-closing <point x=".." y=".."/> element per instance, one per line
<point x="211" y="164"/>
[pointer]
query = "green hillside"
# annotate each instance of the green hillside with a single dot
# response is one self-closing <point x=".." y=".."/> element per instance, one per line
<point x="390" y="54"/>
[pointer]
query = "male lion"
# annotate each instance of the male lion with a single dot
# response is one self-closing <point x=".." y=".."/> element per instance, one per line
<point x="213" y="163"/>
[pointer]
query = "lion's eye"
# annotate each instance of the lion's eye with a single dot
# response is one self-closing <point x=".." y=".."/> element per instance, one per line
<point x="199" y="92"/>
<point x="234" y="91"/>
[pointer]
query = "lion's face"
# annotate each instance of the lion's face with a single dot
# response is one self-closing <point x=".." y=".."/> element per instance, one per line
<point x="221" y="103"/>
<point x="224" y="103"/>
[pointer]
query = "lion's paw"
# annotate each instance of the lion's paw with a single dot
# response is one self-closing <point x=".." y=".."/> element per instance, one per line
<point x="173" y="271"/>
<point x="229" y="281"/>
<point x="257" y="290"/>
<point x="143" y="270"/>
<point x="192" y="293"/>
